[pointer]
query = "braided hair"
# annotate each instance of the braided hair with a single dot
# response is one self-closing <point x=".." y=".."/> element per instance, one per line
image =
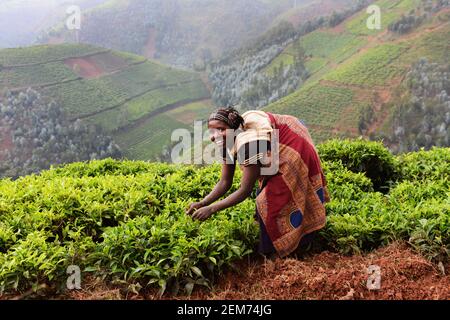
<point x="228" y="115"/>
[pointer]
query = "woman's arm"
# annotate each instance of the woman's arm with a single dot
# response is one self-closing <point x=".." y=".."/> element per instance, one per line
<point x="224" y="184"/>
<point x="250" y="175"/>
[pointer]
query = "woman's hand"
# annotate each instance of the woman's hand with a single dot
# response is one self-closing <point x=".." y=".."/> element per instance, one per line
<point x="194" y="207"/>
<point x="203" y="213"/>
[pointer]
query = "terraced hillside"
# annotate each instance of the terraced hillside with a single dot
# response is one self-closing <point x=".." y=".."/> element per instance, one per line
<point x="357" y="71"/>
<point x="123" y="93"/>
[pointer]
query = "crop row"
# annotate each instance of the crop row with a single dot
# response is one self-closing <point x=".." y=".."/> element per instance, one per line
<point x="147" y="103"/>
<point x="44" y="53"/>
<point x="34" y="75"/>
<point x="88" y="96"/>
<point x="147" y="140"/>
<point x="316" y="104"/>
<point x="376" y="67"/>
<point x="125" y="220"/>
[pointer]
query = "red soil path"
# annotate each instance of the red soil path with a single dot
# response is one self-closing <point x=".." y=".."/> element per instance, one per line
<point x="326" y="275"/>
<point x="404" y="275"/>
<point x="85" y="67"/>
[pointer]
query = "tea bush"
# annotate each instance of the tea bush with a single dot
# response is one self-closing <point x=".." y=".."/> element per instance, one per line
<point x="368" y="157"/>
<point x="124" y="221"/>
<point x="117" y="219"/>
<point x="420" y="165"/>
<point x="415" y="209"/>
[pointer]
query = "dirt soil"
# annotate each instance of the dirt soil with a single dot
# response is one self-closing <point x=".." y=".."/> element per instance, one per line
<point x="85" y="67"/>
<point x="405" y="275"/>
<point x="150" y="46"/>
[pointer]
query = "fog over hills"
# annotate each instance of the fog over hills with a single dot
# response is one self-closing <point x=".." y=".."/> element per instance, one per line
<point x="184" y="33"/>
<point x="22" y="20"/>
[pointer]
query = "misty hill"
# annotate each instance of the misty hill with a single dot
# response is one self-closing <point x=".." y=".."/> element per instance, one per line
<point x="272" y="65"/>
<point x="185" y="33"/>
<point x="136" y="101"/>
<point x="22" y="21"/>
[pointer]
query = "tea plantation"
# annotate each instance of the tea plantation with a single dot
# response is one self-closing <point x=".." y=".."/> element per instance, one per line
<point x="125" y="221"/>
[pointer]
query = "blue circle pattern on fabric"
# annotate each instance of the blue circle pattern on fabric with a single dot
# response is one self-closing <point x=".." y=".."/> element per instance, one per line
<point x="296" y="218"/>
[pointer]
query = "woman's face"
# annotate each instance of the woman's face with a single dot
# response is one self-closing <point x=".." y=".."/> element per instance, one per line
<point x="218" y="132"/>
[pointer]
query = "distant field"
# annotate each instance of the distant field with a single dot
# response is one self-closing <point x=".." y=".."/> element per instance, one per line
<point x="102" y="63"/>
<point x="375" y="67"/>
<point x="44" y="53"/>
<point x="142" y="146"/>
<point x="434" y="45"/>
<point x="315" y="64"/>
<point x="147" y="103"/>
<point x="316" y="104"/>
<point x="391" y="10"/>
<point x="192" y="112"/>
<point x="52" y="65"/>
<point x="331" y="45"/>
<point x="90" y="96"/>
<point x="32" y="75"/>
<point x="83" y="97"/>
<point x="115" y="90"/>
<point x="322" y="108"/>
<point x="147" y="139"/>
<point x="322" y="47"/>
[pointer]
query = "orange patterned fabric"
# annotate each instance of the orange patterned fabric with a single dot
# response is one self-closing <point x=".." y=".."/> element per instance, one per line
<point x="291" y="204"/>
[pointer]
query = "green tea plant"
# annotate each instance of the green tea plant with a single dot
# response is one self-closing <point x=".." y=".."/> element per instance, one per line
<point x="45" y="53"/>
<point x="125" y="221"/>
<point x="369" y="157"/>
<point x="423" y="164"/>
<point x="115" y="218"/>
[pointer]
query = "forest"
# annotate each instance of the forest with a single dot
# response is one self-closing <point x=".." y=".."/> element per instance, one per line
<point x="36" y="134"/>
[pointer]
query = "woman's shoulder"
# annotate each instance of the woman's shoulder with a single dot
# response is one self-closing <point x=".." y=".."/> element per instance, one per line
<point x="254" y="114"/>
<point x="256" y="119"/>
<point x="257" y="127"/>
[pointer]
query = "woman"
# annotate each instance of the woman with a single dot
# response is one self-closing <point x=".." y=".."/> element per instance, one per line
<point x="290" y="201"/>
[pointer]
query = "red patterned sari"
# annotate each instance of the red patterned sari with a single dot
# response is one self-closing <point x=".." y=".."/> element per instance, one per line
<point x="291" y="203"/>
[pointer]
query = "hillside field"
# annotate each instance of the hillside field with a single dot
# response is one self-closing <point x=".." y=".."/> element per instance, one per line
<point x="120" y="92"/>
<point x="354" y="67"/>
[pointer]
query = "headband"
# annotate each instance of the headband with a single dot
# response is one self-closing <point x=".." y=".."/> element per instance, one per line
<point x="231" y="118"/>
